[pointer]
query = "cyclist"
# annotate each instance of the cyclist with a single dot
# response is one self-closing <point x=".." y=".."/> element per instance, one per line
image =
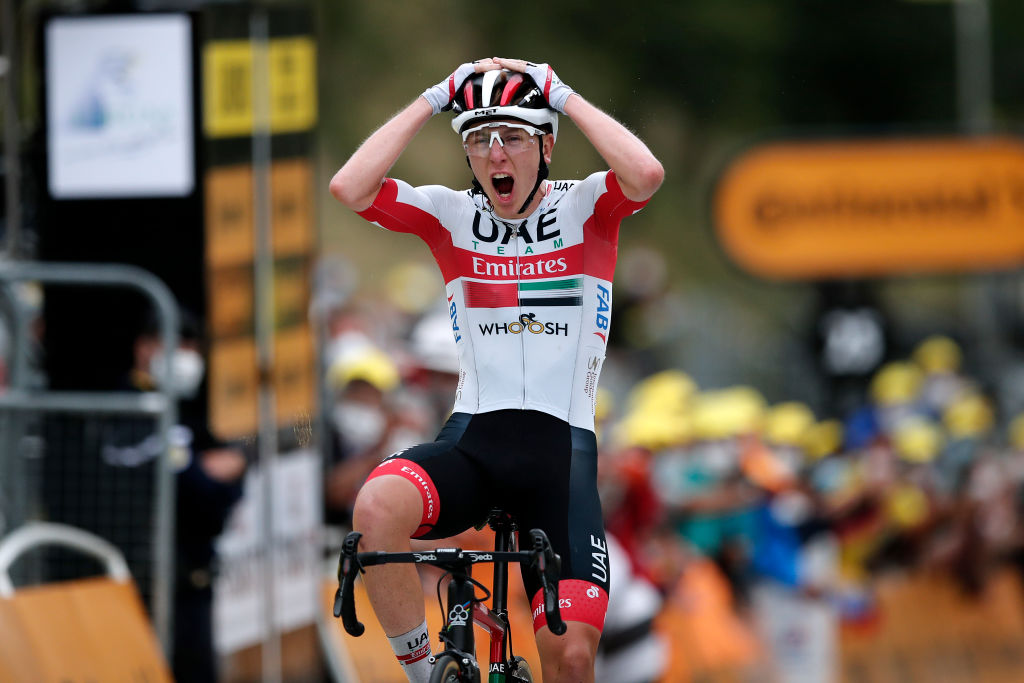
<point x="527" y="264"/>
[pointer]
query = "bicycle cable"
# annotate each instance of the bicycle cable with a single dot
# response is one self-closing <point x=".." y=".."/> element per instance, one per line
<point x="474" y="599"/>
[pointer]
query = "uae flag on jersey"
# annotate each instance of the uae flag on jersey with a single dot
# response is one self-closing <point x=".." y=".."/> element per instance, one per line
<point x="565" y="292"/>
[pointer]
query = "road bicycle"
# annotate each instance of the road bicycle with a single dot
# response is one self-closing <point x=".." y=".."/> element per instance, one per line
<point x="457" y="662"/>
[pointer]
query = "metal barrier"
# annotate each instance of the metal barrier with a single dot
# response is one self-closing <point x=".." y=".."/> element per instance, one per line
<point x="21" y="403"/>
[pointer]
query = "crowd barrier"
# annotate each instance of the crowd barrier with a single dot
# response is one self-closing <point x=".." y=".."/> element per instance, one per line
<point x="93" y="629"/>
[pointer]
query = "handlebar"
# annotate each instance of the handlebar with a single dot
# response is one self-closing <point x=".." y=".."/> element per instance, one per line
<point x="344" y="600"/>
<point x="542" y="558"/>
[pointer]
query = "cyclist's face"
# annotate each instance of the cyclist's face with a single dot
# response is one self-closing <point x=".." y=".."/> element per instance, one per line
<point x="505" y="158"/>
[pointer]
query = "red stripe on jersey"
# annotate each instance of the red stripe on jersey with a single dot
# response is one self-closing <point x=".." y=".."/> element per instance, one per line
<point x="601" y="230"/>
<point x="577" y="601"/>
<point x="490" y="294"/>
<point x="510" y="89"/>
<point x="393" y="215"/>
<point x="567" y="261"/>
<point x="598" y="253"/>
<point x="547" y="84"/>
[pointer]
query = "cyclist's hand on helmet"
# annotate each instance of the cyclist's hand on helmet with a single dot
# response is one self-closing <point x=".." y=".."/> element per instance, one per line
<point x="555" y="91"/>
<point x="440" y="96"/>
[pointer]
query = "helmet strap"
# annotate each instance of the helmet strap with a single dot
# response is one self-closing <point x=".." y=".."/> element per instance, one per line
<point x="477" y="187"/>
<point x="542" y="174"/>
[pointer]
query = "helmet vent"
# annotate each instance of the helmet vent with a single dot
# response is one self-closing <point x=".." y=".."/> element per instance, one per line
<point x="510" y="89"/>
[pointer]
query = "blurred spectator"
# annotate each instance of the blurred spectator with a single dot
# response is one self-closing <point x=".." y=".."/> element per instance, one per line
<point x="99" y="476"/>
<point x="631" y="650"/>
<point x="718" y="515"/>
<point x="5" y="350"/>
<point x="364" y="423"/>
<point x="208" y="486"/>
<point x="734" y="517"/>
<point x="433" y="373"/>
<point x="940" y="358"/>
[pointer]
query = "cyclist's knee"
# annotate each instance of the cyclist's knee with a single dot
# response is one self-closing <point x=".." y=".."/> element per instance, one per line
<point x="569" y="657"/>
<point x="387" y="508"/>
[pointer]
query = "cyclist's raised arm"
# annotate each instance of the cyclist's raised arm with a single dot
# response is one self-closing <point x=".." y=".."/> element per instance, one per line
<point x="357" y="183"/>
<point x="638" y="171"/>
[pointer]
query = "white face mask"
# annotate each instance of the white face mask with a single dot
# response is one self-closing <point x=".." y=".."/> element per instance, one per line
<point x="359" y="424"/>
<point x="187" y="368"/>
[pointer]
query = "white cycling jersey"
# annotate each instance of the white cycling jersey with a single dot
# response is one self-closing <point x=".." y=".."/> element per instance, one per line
<point x="530" y="300"/>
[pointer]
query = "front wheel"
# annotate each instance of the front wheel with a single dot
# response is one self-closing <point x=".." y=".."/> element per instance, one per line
<point x="447" y="670"/>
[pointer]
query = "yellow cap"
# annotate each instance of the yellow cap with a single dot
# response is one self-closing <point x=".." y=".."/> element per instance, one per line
<point x="654" y="431"/>
<point x="412" y="287"/>
<point x="968" y="416"/>
<point x="938" y="353"/>
<point x="786" y="423"/>
<point x="918" y="440"/>
<point x="724" y="413"/>
<point x="896" y="382"/>
<point x="370" y="365"/>
<point x="603" y="404"/>
<point x="1015" y="432"/>
<point x="823" y="438"/>
<point x="907" y="506"/>
<point x="665" y="391"/>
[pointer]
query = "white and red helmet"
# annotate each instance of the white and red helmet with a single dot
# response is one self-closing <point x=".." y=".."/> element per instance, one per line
<point x="502" y="94"/>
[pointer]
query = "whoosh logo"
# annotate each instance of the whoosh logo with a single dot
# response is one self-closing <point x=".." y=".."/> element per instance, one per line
<point x="527" y="322"/>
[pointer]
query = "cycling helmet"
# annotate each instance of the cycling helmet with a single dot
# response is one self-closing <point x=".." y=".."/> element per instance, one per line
<point x="500" y="94"/>
<point x="504" y="94"/>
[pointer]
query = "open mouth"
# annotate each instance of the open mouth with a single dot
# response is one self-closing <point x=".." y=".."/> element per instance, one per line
<point x="503" y="185"/>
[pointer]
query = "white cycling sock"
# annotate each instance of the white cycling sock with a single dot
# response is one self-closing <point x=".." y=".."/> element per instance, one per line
<point x="413" y="651"/>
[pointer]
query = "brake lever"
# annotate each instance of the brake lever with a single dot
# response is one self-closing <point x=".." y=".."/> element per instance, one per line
<point x="344" y="599"/>
<point x="549" y="566"/>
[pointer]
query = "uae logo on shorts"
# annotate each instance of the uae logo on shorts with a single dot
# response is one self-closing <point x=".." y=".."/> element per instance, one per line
<point x="564" y="292"/>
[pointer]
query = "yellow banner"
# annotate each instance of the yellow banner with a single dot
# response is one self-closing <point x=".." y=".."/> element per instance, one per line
<point x="228" y="86"/>
<point x="874" y="207"/>
<point x="230" y="235"/>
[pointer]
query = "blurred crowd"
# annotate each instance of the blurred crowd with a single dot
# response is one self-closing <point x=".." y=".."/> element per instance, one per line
<point x="719" y="503"/>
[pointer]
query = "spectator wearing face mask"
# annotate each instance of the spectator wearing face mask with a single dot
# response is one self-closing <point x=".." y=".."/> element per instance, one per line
<point x="209" y="483"/>
<point x="364" y="424"/>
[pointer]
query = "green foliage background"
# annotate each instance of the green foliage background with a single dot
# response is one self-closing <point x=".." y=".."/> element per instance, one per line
<point x="697" y="80"/>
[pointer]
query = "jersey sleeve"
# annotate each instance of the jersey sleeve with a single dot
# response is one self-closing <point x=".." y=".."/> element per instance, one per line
<point x="602" y="191"/>
<point x="400" y="207"/>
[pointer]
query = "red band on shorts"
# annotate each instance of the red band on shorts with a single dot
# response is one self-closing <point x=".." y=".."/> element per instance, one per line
<point x="577" y="601"/>
<point x="428" y="492"/>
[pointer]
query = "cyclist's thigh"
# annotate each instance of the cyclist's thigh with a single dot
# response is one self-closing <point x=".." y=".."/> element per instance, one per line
<point x="563" y="501"/>
<point x="450" y="483"/>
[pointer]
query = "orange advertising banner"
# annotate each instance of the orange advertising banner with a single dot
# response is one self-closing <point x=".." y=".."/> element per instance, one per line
<point x="855" y="208"/>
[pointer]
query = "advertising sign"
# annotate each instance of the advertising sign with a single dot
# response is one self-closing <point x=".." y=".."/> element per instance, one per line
<point x="228" y="108"/>
<point x="814" y="210"/>
<point x="119" y="106"/>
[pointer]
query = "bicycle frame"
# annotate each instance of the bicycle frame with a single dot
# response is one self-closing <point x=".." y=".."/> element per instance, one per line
<point x="494" y="619"/>
<point x="464" y="608"/>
